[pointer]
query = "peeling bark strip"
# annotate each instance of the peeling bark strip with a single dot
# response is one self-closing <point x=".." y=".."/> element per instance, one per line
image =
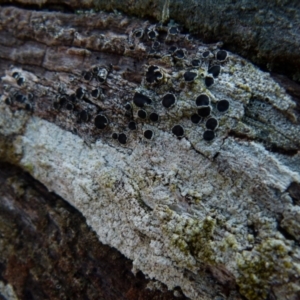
<point x="50" y="253"/>
<point x="135" y="125"/>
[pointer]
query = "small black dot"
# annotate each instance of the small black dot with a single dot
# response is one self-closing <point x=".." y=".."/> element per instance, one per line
<point x="152" y="34"/>
<point x="114" y="136"/>
<point x="56" y="105"/>
<point x="20" y="98"/>
<point x="138" y="33"/>
<point x="209" y="81"/>
<point x="84" y="116"/>
<point x="172" y="49"/>
<point x="101" y="121"/>
<point x="190" y="76"/>
<point x="28" y="106"/>
<point x="128" y="106"/>
<point x="132" y="125"/>
<point x="20" y="81"/>
<point x="69" y="106"/>
<point x="196" y="62"/>
<point x="215" y="71"/>
<point x="179" y="53"/>
<point x="72" y="97"/>
<point x="140" y="100"/>
<point x="173" y="30"/>
<point x="155" y="45"/>
<point x="30" y="96"/>
<point x="195" y="118"/>
<point x="96" y="93"/>
<point x="202" y="100"/>
<point x="168" y="100"/>
<point x="148" y="134"/>
<point x="16" y="75"/>
<point x="80" y="92"/>
<point x="222" y="105"/>
<point x="154" y="117"/>
<point x="221" y="55"/>
<point x="205" y="54"/>
<point x="142" y="114"/>
<point x="204" y="111"/>
<point x="122" y="138"/>
<point x="7" y="101"/>
<point x="211" y="123"/>
<point x="63" y="100"/>
<point x="178" y="130"/>
<point x="88" y="76"/>
<point x="208" y="135"/>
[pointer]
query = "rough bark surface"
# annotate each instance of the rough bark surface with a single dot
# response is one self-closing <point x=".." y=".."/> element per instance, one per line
<point x="265" y="32"/>
<point x="206" y="197"/>
<point x="48" y="251"/>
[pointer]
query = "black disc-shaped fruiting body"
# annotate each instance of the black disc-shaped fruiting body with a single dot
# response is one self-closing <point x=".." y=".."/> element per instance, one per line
<point x="148" y="134"/>
<point x="208" y="135"/>
<point x="223" y="105"/>
<point x="80" y="92"/>
<point x="56" y="105"/>
<point x="28" y="106"/>
<point x="114" y="136"/>
<point x="142" y="114"/>
<point x="179" y="54"/>
<point x="16" y="75"/>
<point x="139" y="33"/>
<point x="8" y="101"/>
<point x="204" y="111"/>
<point x="20" y="81"/>
<point x="202" y="100"/>
<point x="63" y="99"/>
<point x="196" y="62"/>
<point x="195" y="118"/>
<point x="122" y="138"/>
<point x="172" y="49"/>
<point x="72" y="97"/>
<point x="168" y="100"/>
<point x="128" y="106"/>
<point x="88" y="76"/>
<point x="20" y="98"/>
<point x="221" y="55"/>
<point x="84" y="116"/>
<point x="141" y="100"/>
<point x="152" y="34"/>
<point x="173" y="30"/>
<point x="189" y="76"/>
<point x="212" y="124"/>
<point x="178" y="130"/>
<point x="69" y="106"/>
<point x="101" y="121"/>
<point x="154" y="117"/>
<point x="209" y="81"/>
<point x="215" y="71"/>
<point x="155" y="45"/>
<point x="95" y="93"/>
<point x="206" y="54"/>
<point x="132" y="125"/>
<point x="153" y="74"/>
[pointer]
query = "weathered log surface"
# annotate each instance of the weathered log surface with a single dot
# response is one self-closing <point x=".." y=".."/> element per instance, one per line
<point x="48" y="252"/>
<point x="265" y="32"/>
<point x="220" y="217"/>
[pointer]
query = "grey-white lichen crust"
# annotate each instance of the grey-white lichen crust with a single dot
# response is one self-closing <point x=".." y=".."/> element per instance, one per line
<point x="177" y="204"/>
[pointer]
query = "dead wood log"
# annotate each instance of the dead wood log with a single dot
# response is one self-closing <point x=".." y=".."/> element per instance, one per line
<point x="181" y="155"/>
